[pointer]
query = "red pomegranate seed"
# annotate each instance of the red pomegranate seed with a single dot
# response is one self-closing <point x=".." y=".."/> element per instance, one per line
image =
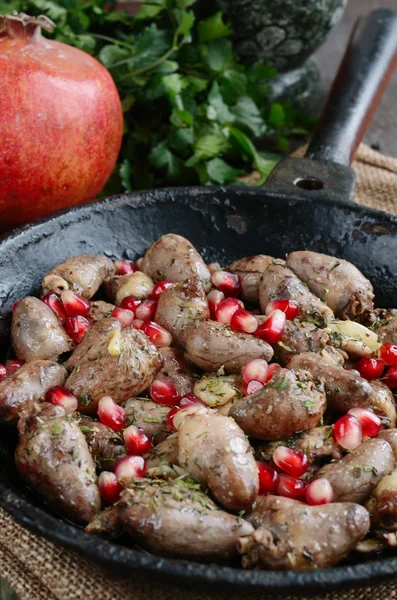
<point x="190" y="400"/>
<point x="14" y="364"/>
<point x="228" y="283"/>
<point x="136" y="441"/>
<point x="370" y="368"/>
<point x="163" y="391"/>
<point x="124" y="266"/>
<point x="146" y="310"/>
<point x="159" y="336"/>
<point x="388" y="353"/>
<point x="348" y="432"/>
<point x="3" y="371"/>
<point x="214" y="298"/>
<point x="75" y="304"/>
<point x="130" y="303"/>
<point x="60" y="396"/>
<point x="252" y="387"/>
<point x="255" y="369"/>
<point x="137" y="323"/>
<point x="77" y="327"/>
<point x="13" y="307"/>
<point x="291" y="461"/>
<point x="56" y="305"/>
<point x="273" y="328"/>
<point x="159" y="288"/>
<point x="391" y="377"/>
<point x="170" y="417"/>
<point x="226" y="309"/>
<point x="124" y="315"/>
<point x="268" y="478"/>
<point x="109" y="487"/>
<point x="242" y="320"/>
<point x="289" y="307"/>
<point x="319" y="491"/>
<point x="291" y="488"/>
<point x="111" y="414"/>
<point x="130" y="467"/>
<point x="369" y="421"/>
<point x="271" y="371"/>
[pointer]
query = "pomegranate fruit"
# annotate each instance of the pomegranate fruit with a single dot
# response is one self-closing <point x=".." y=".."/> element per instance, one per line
<point x="77" y="327"/>
<point x="159" y="336"/>
<point x="272" y="329"/>
<point x="369" y="421"/>
<point x="388" y="353"/>
<point x="3" y="371"/>
<point x="268" y="478"/>
<point x="163" y="391"/>
<point x="257" y="369"/>
<point x="61" y="122"/>
<point x="289" y="307"/>
<point x="159" y="288"/>
<point x="214" y="298"/>
<point x="242" y="320"/>
<point x="226" y="309"/>
<point x="130" y="303"/>
<point x="291" y="461"/>
<point x="111" y="414"/>
<point x="75" y="304"/>
<point x="146" y="310"/>
<point x="228" y="283"/>
<point x="136" y="441"/>
<point x="13" y="365"/>
<point x="109" y="487"/>
<point x="291" y="488"/>
<point x="130" y="467"/>
<point x="370" y="368"/>
<point x="319" y="491"/>
<point x="56" y="305"/>
<point x="348" y="432"/>
<point x="60" y="396"/>
<point x="124" y="266"/>
<point x="252" y="387"/>
<point x="124" y="315"/>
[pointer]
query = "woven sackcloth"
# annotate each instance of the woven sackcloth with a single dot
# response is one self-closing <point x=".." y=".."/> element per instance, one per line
<point x="39" y="570"/>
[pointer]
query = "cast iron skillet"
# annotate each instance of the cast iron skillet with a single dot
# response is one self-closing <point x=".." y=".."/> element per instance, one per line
<point x="307" y="203"/>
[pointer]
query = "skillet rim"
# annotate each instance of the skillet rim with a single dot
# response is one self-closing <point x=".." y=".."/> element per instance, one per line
<point x="43" y="523"/>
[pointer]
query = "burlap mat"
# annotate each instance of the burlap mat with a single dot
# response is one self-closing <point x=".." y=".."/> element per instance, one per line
<point x="39" y="570"/>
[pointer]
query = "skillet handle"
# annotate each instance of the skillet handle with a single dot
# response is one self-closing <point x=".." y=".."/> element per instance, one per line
<point x="365" y="71"/>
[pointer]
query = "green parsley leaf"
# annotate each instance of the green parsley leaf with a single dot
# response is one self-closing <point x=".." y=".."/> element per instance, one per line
<point x="213" y="28"/>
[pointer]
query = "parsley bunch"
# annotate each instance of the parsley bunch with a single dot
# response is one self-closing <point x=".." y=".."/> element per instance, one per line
<point x="193" y="113"/>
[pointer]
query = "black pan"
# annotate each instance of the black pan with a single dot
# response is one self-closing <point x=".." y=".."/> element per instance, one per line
<point x="307" y="203"/>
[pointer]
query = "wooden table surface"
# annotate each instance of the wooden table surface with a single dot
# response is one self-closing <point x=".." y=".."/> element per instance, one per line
<point x="382" y="134"/>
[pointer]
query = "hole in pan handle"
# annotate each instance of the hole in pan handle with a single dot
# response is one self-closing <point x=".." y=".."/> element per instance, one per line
<point x="366" y="68"/>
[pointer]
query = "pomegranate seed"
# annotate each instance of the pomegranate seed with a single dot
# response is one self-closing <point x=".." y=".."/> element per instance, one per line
<point x="77" y="327"/>
<point x="111" y="414"/>
<point x="130" y="467"/>
<point x="370" y="368"/>
<point x="226" y="309"/>
<point x="159" y="336"/>
<point x="60" y="396"/>
<point x="242" y="320"/>
<point x="214" y="298"/>
<point x="391" y="377"/>
<point x="130" y="303"/>
<point x="190" y="400"/>
<point x="124" y="315"/>
<point x="213" y="267"/>
<point x="291" y="461"/>
<point x="369" y="421"/>
<point x="56" y="305"/>
<point x="75" y="304"/>
<point x="273" y="328"/>
<point x="271" y="371"/>
<point x="268" y="478"/>
<point x="388" y="353"/>
<point x="124" y="266"/>
<point x="137" y="323"/>
<point x="170" y="417"/>
<point x="146" y="310"/>
<point x="252" y="387"/>
<point x="3" y="371"/>
<point x="291" y="488"/>
<point x="136" y="440"/>
<point x="109" y="487"/>
<point x="348" y="432"/>
<point x="255" y="369"/>
<point x="163" y="391"/>
<point x="159" y="288"/>
<point x="228" y="283"/>
<point x="289" y="307"/>
<point x="13" y="365"/>
<point x="319" y="491"/>
<point x="13" y="307"/>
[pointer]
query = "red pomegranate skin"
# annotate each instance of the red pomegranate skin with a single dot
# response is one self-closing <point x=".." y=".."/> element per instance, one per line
<point x="61" y="125"/>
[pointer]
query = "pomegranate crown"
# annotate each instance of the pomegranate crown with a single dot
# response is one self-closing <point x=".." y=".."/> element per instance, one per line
<point x="22" y="25"/>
